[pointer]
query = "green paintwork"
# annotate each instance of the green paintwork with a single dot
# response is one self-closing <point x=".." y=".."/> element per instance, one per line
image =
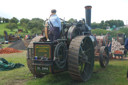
<point x="42" y="50"/>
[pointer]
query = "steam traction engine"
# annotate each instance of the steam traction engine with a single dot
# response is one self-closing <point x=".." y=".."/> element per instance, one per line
<point x="73" y="52"/>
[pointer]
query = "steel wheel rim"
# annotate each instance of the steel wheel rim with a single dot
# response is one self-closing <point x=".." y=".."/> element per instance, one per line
<point x="86" y="60"/>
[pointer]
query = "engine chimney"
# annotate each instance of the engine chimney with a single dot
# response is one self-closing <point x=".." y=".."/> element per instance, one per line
<point x="88" y="15"/>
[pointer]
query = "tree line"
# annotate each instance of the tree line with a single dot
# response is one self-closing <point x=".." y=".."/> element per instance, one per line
<point x="4" y="20"/>
<point x="36" y="25"/>
<point x="109" y="23"/>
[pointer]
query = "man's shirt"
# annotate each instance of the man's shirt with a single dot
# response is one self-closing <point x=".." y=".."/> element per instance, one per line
<point x="54" y="19"/>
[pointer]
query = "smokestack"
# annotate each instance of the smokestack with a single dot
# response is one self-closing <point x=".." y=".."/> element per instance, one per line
<point x="88" y="15"/>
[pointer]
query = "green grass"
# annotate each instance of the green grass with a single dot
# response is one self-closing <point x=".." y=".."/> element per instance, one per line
<point x="3" y="27"/>
<point x="5" y="45"/>
<point x="114" y="74"/>
<point x="19" y="75"/>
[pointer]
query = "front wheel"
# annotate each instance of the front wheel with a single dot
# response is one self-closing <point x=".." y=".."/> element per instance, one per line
<point x="104" y="56"/>
<point x="81" y="58"/>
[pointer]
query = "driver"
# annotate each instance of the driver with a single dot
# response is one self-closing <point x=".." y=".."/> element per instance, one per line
<point x="55" y="26"/>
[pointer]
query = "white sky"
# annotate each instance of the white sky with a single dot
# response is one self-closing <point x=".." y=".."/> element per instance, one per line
<point x="101" y="9"/>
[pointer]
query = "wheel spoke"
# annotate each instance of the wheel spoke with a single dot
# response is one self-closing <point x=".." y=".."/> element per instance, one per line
<point x="88" y="62"/>
<point x="85" y="73"/>
<point x="87" y="50"/>
<point x="83" y="59"/>
<point x="81" y="48"/>
<point x="82" y="67"/>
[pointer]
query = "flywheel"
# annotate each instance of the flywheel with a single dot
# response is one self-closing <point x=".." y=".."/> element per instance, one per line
<point x="81" y="58"/>
<point x="60" y="55"/>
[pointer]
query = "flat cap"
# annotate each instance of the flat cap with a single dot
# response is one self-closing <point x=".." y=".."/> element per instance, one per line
<point x="53" y="11"/>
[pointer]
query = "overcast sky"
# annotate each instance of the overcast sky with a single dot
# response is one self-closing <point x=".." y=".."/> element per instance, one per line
<point x="101" y="9"/>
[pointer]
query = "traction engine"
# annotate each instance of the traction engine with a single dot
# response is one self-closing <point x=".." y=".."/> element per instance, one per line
<point x="73" y="52"/>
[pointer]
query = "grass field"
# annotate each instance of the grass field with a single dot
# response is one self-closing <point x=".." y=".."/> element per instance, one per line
<point x="114" y="74"/>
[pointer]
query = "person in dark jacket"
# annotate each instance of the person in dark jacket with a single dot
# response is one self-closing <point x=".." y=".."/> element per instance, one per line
<point x="126" y="47"/>
<point x="109" y="44"/>
<point x="126" y="43"/>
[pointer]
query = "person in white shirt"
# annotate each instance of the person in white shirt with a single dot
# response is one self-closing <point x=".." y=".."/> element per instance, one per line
<point x="55" y="26"/>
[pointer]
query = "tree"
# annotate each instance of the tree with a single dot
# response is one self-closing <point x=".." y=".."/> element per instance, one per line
<point x="72" y="20"/>
<point x="124" y="30"/>
<point x="111" y="23"/>
<point x="24" y="24"/>
<point x="14" y="20"/>
<point x="24" y="21"/>
<point x="95" y="25"/>
<point x="117" y="23"/>
<point x="11" y="26"/>
<point x="103" y="25"/>
<point x="6" y="20"/>
<point x="36" y="24"/>
<point x="3" y="19"/>
<point x="0" y="19"/>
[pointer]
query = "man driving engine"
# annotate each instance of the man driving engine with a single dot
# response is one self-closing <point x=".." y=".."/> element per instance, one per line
<point x="55" y="26"/>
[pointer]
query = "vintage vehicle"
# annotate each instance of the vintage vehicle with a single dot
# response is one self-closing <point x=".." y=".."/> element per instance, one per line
<point x="73" y="52"/>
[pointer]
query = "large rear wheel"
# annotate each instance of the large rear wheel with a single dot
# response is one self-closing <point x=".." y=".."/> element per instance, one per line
<point x="81" y="58"/>
<point x="30" y="56"/>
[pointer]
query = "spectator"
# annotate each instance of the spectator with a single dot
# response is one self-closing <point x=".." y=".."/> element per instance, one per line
<point x="109" y="44"/>
<point x="126" y="43"/>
